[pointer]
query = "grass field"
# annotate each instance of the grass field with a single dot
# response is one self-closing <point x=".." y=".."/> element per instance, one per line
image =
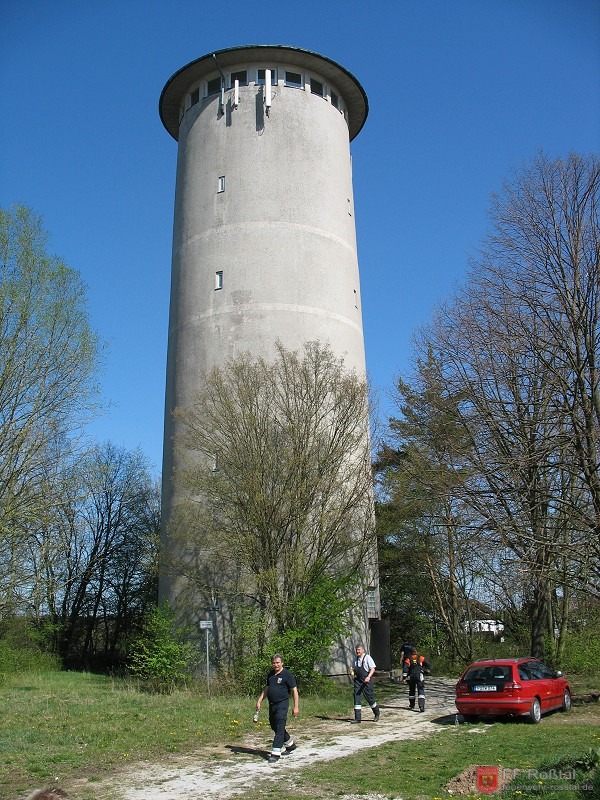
<point x="58" y="727"/>
<point x="419" y="770"/>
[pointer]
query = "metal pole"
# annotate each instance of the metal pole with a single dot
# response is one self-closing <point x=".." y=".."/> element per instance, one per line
<point x="207" y="664"/>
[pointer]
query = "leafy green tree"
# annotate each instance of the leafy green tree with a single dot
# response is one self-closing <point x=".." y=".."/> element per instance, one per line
<point x="317" y="619"/>
<point x="48" y="362"/>
<point x="421" y="521"/>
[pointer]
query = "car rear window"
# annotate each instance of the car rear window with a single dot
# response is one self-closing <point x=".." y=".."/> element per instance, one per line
<point x="488" y="674"/>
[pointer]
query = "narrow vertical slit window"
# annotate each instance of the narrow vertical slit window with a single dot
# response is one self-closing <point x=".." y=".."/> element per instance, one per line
<point x="355" y="299"/>
<point x="221" y="184"/>
<point x="195" y="96"/>
<point x="335" y="100"/>
<point x="219" y="279"/>
<point x="371" y="602"/>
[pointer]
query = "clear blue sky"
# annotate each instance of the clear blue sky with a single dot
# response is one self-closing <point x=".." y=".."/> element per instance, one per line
<point x="460" y="93"/>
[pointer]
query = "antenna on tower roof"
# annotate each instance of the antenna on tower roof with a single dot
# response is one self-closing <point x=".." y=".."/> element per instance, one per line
<point x="268" y="93"/>
<point x="214" y="55"/>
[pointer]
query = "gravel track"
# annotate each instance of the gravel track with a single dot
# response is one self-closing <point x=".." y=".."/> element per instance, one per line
<point x="232" y="770"/>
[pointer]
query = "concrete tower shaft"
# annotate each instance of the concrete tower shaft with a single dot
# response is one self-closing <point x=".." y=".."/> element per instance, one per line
<point x="264" y="241"/>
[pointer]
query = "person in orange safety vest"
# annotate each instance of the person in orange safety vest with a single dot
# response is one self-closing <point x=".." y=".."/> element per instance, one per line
<point x="414" y="669"/>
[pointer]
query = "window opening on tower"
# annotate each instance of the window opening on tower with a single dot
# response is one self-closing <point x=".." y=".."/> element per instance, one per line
<point x="372" y="602"/>
<point x="221" y="184"/>
<point x="213" y="86"/>
<point x="260" y="76"/>
<point x="294" y="79"/>
<point x="316" y="87"/>
<point x="219" y="279"/>
<point x="241" y="76"/>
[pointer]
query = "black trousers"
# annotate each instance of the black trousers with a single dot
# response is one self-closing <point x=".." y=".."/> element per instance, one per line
<point x="277" y="718"/>
<point x="416" y="686"/>
<point x="362" y="689"/>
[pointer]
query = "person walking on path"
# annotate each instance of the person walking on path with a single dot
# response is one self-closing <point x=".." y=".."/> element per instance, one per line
<point x="280" y="685"/>
<point x="405" y="652"/>
<point x="363" y="669"/>
<point x="414" y="669"/>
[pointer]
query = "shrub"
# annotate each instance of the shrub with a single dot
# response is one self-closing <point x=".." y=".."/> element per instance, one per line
<point x="319" y="619"/>
<point x="14" y="658"/>
<point x="23" y="647"/>
<point x="161" y="657"/>
<point x="582" y="653"/>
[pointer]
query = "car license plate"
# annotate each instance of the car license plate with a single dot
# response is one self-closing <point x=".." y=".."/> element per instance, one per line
<point x="485" y="688"/>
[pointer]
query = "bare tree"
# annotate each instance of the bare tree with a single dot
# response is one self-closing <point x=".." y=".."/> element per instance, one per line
<point x="280" y="479"/>
<point x="515" y="356"/>
<point x="520" y="344"/>
<point x="546" y="247"/>
<point x="94" y="558"/>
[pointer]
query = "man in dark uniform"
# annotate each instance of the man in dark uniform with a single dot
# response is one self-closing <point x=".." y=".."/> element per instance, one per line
<point x="363" y="669"/>
<point x="414" y="669"/>
<point x="280" y="684"/>
<point x="405" y="652"/>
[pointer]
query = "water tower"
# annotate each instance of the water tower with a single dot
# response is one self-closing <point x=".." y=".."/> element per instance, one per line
<point x="264" y="242"/>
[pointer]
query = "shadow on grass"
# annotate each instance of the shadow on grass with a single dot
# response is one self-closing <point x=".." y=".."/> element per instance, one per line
<point x="447" y="719"/>
<point x="504" y="719"/>
<point x="249" y="751"/>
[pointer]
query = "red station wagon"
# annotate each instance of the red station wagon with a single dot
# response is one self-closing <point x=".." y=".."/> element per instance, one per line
<point x="514" y="686"/>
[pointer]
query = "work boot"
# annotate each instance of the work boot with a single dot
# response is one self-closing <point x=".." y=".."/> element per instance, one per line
<point x="273" y="759"/>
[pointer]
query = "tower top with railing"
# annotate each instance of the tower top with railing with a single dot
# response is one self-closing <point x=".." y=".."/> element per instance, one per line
<point x="212" y="73"/>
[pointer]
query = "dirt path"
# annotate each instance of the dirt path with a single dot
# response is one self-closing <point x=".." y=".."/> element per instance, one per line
<point x="234" y="769"/>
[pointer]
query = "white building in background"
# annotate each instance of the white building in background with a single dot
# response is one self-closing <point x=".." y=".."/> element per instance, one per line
<point x="484" y="626"/>
<point x="264" y="241"/>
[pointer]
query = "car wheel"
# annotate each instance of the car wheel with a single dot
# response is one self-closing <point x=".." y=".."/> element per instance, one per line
<point x="535" y="712"/>
<point x="566" y="701"/>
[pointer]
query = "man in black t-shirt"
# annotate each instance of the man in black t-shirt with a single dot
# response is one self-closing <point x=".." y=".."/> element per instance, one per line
<point x="280" y="685"/>
<point x="405" y="652"/>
